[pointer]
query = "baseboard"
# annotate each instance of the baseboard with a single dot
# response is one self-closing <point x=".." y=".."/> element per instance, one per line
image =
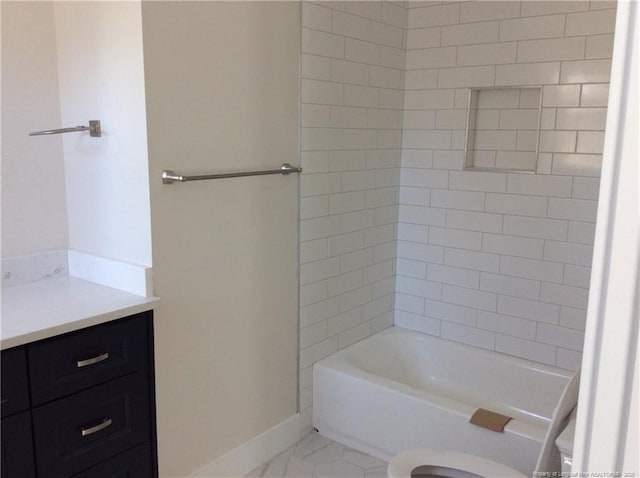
<point x="255" y="452"/>
<point x="133" y="278"/>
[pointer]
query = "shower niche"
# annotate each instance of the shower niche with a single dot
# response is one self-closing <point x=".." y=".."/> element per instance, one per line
<point x="503" y="125"/>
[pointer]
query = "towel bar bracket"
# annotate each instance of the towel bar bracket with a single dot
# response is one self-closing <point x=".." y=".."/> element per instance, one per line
<point x="93" y="129"/>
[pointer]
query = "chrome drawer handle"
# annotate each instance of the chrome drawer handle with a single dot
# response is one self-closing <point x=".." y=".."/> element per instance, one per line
<point x="96" y="428"/>
<point x="92" y="360"/>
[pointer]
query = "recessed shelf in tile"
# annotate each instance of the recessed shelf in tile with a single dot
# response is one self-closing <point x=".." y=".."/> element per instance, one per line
<point x="503" y="125"/>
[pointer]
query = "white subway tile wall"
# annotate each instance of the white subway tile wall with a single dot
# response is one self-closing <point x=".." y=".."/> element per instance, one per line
<point x="393" y="230"/>
<point x="353" y="60"/>
<point x="502" y="260"/>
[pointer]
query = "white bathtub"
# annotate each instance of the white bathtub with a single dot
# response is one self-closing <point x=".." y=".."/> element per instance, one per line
<point x="401" y="389"/>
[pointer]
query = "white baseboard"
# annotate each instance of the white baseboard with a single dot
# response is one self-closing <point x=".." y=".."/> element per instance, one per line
<point x="255" y="452"/>
<point x="133" y="278"/>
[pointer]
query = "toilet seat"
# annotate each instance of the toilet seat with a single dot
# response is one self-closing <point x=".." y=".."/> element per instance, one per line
<point x="459" y="465"/>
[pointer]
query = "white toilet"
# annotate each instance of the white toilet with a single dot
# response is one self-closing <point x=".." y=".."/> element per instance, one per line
<point x="426" y="463"/>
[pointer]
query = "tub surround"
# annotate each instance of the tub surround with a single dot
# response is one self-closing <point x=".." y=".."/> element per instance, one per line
<point x="500" y="260"/>
<point x="351" y="138"/>
<point x="497" y="260"/>
<point x="47" y="308"/>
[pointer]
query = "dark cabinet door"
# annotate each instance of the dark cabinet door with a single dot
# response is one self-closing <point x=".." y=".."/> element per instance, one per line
<point x="135" y="463"/>
<point x="15" y="387"/>
<point x="17" y="447"/>
<point x="79" y="360"/>
<point x="80" y="431"/>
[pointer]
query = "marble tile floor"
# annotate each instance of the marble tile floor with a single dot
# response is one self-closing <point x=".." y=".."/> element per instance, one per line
<point x="316" y="456"/>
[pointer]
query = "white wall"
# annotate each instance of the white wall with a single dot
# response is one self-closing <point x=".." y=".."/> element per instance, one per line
<point x="34" y="213"/>
<point x="352" y="80"/>
<point x="101" y="73"/>
<point x="66" y="63"/>
<point x="495" y="259"/>
<point x="222" y="82"/>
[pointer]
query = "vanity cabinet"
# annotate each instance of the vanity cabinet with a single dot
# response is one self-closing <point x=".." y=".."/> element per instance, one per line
<point x="81" y="404"/>
<point x="17" y="449"/>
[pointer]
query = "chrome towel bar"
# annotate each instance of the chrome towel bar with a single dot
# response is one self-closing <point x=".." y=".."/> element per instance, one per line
<point x="93" y="128"/>
<point x="170" y="177"/>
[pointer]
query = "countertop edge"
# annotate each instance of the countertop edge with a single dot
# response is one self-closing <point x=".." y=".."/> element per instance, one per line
<point x="52" y="331"/>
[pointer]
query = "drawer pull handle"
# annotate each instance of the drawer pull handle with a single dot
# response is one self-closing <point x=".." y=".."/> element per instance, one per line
<point x="106" y="423"/>
<point x="93" y="360"/>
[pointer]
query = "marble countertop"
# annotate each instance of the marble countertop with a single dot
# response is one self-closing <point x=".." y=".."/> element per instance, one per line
<point x="46" y="308"/>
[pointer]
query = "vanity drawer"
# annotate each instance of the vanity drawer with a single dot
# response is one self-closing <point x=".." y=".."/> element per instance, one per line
<point x="77" y="432"/>
<point x="134" y="463"/>
<point x="79" y="360"/>
<point x="14" y="388"/>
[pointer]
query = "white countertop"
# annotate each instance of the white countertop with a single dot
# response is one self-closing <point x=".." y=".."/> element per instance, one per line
<point x="46" y="308"/>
